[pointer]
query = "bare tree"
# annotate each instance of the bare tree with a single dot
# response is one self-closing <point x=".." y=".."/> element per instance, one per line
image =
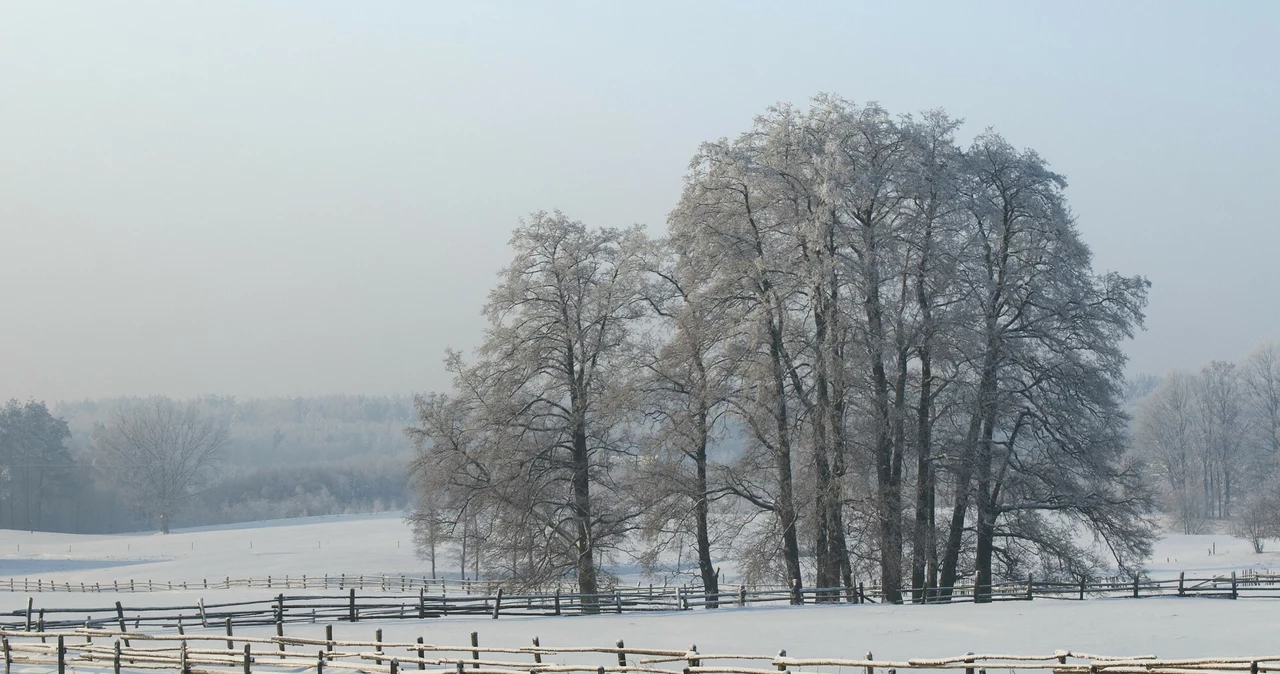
<point x="535" y="437"/>
<point x="1261" y="372"/>
<point x="159" y="451"/>
<point x="1167" y="435"/>
<point x="1220" y="405"/>
<point x="685" y="377"/>
<point x="1259" y="517"/>
<point x="723" y="223"/>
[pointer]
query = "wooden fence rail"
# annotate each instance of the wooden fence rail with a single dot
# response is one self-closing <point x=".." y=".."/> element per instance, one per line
<point x="205" y="653"/>
<point x="1249" y="583"/>
<point x="353" y="606"/>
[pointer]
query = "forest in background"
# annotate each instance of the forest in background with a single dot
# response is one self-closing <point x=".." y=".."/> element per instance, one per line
<point x="1210" y="438"/>
<point x="282" y="457"/>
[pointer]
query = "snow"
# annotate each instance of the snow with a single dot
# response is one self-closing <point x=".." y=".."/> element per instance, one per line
<point x="370" y="544"/>
<point x="381" y="544"/>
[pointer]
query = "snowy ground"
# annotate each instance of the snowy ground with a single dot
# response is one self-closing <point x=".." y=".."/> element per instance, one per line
<point x="380" y="544"/>
<point x="353" y="544"/>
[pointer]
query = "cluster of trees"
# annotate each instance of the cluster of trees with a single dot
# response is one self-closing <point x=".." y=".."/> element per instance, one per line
<point x="37" y="470"/>
<point x="1212" y="438"/>
<point x="859" y="349"/>
<point x="361" y="484"/>
<point x="123" y="464"/>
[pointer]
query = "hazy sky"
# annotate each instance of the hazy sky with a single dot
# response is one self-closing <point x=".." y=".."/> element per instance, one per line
<point x="259" y="198"/>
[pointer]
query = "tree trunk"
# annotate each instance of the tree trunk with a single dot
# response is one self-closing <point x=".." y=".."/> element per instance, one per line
<point x="582" y="516"/>
<point x="985" y="525"/>
<point x="710" y="581"/>
<point x="922" y="536"/>
<point x="784" y="506"/>
<point x="833" y="568"/>
<point x="960" y="508"/>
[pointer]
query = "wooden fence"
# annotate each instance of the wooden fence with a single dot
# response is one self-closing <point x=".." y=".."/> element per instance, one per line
<point x="353" y="606"/>
<point x="217" y="654"/>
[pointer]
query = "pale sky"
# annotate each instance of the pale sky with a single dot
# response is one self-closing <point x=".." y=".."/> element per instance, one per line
<point x="294" y="198"/>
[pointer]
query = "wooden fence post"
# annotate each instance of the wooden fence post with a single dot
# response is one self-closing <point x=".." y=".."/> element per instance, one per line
<point x="115" y="659"/>
<point x="870" y="669"/>
<point x="328" y="638"/>
<point x="968" y="661"/>
<point x="1235" y="593"/>
<point x="781" y="667"/>
<point x="280" y="633"/>
<point x="62" y="656"/>
<point x="230" y="644"/>
<point x="422" y="603"/>
<point x="497" y="604"/>
<point x="377" y="639"/>
<point x="475" y="653"/>
<point x="351" y="607"/>
<point x="977" y="592"/>
<point x="204" y="621"/>
<point x="421" y="655"/>
<point x="537" y="656"/>
<point x="622" y="654"/>
<point x="1082" y="579"/>
<point x="1030" y="596"/>
<point x="617" y="599"/>
<point x="8" y="655"/>
<point x="320" y="661"/>
<point x="1182" y="583"/>
<point x="395" y="665"/>
<point x="247" y="658"/>
<point x="742" y="595"/>
<point x="120" y="617"/>
<point x="557" y="601"/>
<point x="1135" y="585"/>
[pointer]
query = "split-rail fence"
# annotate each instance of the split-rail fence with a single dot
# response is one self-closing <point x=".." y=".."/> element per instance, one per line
<point x="116" y="651"/>
<point x="353" y="606"/>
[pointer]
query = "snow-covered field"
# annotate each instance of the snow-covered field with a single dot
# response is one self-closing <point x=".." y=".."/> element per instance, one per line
<point x="370" y="544"/>
<point x="380" y="544"/>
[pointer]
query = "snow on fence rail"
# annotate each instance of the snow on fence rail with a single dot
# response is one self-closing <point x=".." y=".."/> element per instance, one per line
<point x="353" y="606"/>
<point x="1248" y="584"/>
<point x="205" y="654"/>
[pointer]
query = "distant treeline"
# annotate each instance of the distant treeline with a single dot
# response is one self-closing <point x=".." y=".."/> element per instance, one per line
<point x="284" y="457"/>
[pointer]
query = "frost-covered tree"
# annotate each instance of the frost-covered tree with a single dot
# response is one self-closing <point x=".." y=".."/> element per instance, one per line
<point x="1261" y="373"/>
<point x="159" y="451"/>
<point x="897" y="325"/>
<point x="685" y="374"/>
<point x="723" y="223"/>
<point x="1220" y="408"/>
<point x="535" y="433"/>
<point x="1167" y="434"/>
